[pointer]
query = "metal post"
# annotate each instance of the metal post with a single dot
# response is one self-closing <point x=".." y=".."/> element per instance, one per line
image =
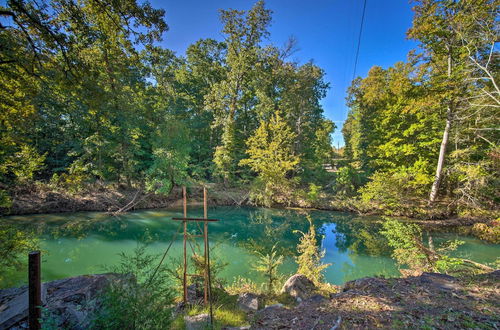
<point x="185" y="240"/>
<point x="209" y="282"/>
<point x="34" y="291"/>
<point x="205" y="236"/>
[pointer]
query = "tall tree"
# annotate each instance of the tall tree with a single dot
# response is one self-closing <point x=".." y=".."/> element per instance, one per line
<point x="436" y="25"/>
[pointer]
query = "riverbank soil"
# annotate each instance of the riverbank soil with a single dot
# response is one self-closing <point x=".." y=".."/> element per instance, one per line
<point x="429" y="301"/>
<point x="43" y="199"/>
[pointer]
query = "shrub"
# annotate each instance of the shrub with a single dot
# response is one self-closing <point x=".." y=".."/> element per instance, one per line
<point x="25" y="163"/>
<point x="5" y="201"/>
<point x="309" y="258"/>
<point x="267" y="265"/>
<point x="391" y="191"/>
<point x="313" y="193"/>
<point x="490" y="233"/>
<point x="410" y="251"/>
<point x="14" y="247"/>
<point x="347" y="181"/>
<point x="139" y="301"/>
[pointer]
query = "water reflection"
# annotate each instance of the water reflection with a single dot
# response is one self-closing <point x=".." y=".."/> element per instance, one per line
<point x="83" y="243"/>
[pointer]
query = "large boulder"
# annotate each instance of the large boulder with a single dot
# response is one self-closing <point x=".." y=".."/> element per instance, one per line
<point x="299" y="287"/>
<point x="248" y="302"/>
<point x="70" y="301"/>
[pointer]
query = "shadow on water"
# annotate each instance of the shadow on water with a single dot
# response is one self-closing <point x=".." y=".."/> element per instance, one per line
<point x="82" y="243"/>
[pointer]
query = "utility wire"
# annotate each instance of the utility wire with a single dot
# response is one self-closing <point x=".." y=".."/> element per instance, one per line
<point x="359" y="40"/>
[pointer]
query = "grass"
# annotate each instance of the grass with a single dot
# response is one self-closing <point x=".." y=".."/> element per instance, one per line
<point x="225" y="310"/>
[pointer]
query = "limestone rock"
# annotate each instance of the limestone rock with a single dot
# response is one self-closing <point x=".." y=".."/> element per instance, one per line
<point x="248" y="302"/>
<point x="197" y="322"/>
<point x="69" y="301"/>
<point x="299" y="287"/>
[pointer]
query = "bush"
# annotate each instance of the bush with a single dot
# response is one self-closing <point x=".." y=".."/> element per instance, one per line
<point x="5" y="201"/>
<point x="347" y="181"/>
<point x="14" y="247"/>
<point x="267" y="265"/>
<point x="139" y="301"/>
<point x="391" y="191"/>
<point x="410" y="251"/>
<point x="25" y="163"/>
<point x="309" y="259"/>
<point x="490" y="233"/>
<point x="313" y="193"/>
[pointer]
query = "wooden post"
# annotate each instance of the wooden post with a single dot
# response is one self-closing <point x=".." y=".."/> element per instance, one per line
<point x="184" y="282"/>
<point x="34" y="290"/>
<point x="205" y="236"/>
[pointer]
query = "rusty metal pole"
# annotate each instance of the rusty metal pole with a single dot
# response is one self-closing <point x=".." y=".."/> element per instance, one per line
<point x="184" y="198"/>
<point x="34" y="291"/>
<point x="205" y="236"/>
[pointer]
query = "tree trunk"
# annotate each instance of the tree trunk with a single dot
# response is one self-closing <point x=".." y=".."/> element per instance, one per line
<point x="444" y="142"/>
<point x="442" y="153"/>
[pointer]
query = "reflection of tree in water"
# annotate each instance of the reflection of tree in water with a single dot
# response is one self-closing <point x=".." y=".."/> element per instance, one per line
<point x="266" y="228"/>
<point x="361" y="236"/>
<point x="356" y="270"/>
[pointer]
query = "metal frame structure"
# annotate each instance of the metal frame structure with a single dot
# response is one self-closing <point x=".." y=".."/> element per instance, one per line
<point x="207" y="281"/>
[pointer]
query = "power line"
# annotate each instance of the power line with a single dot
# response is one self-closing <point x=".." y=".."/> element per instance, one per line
<point x="359" y="40"/>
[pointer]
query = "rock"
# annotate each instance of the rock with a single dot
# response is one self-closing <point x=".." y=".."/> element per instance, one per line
<point x="317" y="298"/>
<point x="243" y="327"/>
<point x="69" y="301"/>
<point x="248" y="302"/>
<point x="299" y="287"/>
<point x="271" y="308"/>
<point x="13" y="306"/>
<point x="197" y="322"/>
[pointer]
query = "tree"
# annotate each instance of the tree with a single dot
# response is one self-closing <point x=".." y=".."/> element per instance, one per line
<point x="440" y="26"/>
<point x="309" y="258"/>
<point x="232" y="99"/>
<point x="271" y="156"/>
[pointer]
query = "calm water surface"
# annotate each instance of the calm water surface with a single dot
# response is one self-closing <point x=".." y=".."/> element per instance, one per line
<point x="84" y="243"/>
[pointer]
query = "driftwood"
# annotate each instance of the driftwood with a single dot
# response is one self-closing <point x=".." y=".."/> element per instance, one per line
<point x="127" y="207"/>
<point x="432" y="256"/>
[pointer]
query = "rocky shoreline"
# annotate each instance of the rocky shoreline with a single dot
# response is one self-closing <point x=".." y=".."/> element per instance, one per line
<point x="429" y="300"/>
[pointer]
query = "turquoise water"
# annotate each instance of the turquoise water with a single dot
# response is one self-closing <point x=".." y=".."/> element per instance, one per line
<point x="84" y="243"/>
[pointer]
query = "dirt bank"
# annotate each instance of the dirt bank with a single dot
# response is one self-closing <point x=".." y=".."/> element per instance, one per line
<point x="429" y="301"/>
<point x="41" y="199"/>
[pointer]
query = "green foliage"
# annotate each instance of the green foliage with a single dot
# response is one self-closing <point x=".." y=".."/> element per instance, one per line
<point x="347" y="180"/>
<point x="271" y="157"/>
<point x="90" y="96"/>
<point x="14" y="248"/>
<point x="390" y="191"/>
<point x="170" y="158"/>
<point x="25" y="163"/>
<point x="407" y="241"/>
<point x="314" y="192"/>
<point x="5" y="201"/>
<point x="404" y="239"/>
<point x="267" y="265"/>
<point x="137" y="299"/>
<point x="310" y="255"/>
